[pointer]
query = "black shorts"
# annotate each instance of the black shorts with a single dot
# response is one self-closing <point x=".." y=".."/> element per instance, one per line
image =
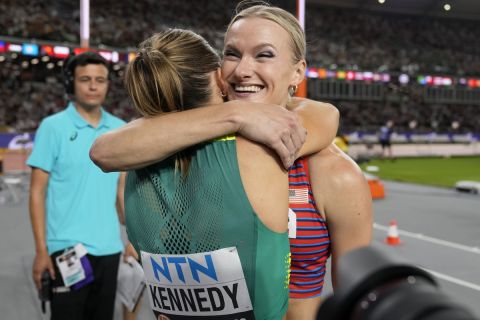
<point x="385" y="143"/>
<point x="93" y="301"/>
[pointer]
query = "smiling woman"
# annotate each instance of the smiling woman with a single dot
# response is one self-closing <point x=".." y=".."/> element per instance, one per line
<point x="329" y="198"/>
<point x="264" y="56"/>
<point x="262" y="68"/>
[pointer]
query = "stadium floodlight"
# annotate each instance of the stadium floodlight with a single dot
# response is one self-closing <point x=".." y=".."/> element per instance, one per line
<point x="447" y="7"/>
<point x="404" y="78"/>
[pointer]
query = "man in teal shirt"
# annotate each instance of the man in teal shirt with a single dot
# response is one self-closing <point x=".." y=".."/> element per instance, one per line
<point x="72" y="202"/>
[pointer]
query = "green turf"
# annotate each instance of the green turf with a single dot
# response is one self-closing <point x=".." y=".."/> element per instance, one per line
<point x="443" y="172"/>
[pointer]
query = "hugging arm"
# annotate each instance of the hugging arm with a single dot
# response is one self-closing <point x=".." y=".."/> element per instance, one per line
<point x="148" y="140"/>
<point x="320" y="120"/>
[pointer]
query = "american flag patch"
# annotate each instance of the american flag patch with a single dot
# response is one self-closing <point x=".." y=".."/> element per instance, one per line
<point x="298" y="195"/>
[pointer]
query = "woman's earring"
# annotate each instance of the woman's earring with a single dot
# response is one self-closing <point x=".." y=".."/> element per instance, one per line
<point x="224" y="95"/>
<point x="292" y="90"/>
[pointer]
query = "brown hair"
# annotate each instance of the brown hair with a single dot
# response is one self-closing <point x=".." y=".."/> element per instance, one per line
<point x="261" y="9"/>
<point x="171" y="73"/>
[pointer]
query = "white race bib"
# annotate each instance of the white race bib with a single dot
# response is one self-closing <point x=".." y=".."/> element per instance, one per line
<point x="292" y="224"/>
<point x="208" y="285"/>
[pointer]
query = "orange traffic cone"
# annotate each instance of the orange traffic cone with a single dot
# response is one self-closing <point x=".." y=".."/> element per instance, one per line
<point x="393" y="238"/>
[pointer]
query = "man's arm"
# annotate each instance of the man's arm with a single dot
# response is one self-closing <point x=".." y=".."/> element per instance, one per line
<point x="119" y="203"/>
<point x="42" y="261"/>
<point x="129" y="250"/>
<point x="148" y="140"/>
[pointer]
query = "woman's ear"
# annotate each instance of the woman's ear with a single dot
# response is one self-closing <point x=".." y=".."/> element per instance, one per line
<point x="299" y="74"/>
<point x="221" y="84"/>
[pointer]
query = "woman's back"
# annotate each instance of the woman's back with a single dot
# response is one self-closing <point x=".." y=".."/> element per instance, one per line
<point x="215" y="206"/>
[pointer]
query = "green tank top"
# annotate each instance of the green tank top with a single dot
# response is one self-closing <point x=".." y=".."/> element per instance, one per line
<point x="207" y="211"/>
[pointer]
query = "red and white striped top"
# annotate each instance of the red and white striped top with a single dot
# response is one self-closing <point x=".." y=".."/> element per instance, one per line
<point x="310" y="248"/>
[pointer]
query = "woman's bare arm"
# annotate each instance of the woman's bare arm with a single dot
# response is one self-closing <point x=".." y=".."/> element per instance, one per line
<point x="343" y="195"/>
<point x="148" y="140"/>
<point x="321" y="121"/>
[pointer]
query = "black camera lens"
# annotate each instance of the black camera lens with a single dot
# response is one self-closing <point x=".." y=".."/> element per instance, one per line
<point x="411" y="298"/>
<point x="376" y="286"/>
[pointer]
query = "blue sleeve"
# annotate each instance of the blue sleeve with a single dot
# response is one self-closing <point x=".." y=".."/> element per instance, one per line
<point x="45" y="147"/>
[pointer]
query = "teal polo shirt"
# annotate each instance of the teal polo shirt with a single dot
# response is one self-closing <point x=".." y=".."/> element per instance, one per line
<point x="80" y="200"/>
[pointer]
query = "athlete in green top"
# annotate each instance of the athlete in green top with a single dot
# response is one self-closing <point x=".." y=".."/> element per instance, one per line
<point x="209" y="209"/>
<point x="226" y="193"/>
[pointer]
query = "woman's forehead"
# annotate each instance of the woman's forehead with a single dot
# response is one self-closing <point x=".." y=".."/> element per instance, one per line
<point x="255" y="31"/>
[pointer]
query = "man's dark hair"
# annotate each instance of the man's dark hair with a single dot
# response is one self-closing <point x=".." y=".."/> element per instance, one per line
<point x="74" y="61"/>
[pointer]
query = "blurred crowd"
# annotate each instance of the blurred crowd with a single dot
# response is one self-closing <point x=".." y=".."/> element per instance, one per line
<point x="420" y="118"/>
<point x="383" y="42"/>
<point x="121" y="24"/>
<point x="342" y="37"/>
<point x="337" y="38"/>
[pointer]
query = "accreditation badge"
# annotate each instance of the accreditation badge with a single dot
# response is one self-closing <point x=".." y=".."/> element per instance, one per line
<point x="207" y="285"/>
<point x="74" y="267"/>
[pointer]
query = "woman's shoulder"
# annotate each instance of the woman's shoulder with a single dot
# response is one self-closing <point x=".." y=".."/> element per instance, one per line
<point x="297" y="103"/>
<point x="336" y="169"/>
<point x="258" y="153"/>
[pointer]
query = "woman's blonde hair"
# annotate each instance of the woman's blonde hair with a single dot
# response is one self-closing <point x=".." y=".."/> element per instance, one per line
<point x="171" y="73"/>
<point x="261" y="9"/>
